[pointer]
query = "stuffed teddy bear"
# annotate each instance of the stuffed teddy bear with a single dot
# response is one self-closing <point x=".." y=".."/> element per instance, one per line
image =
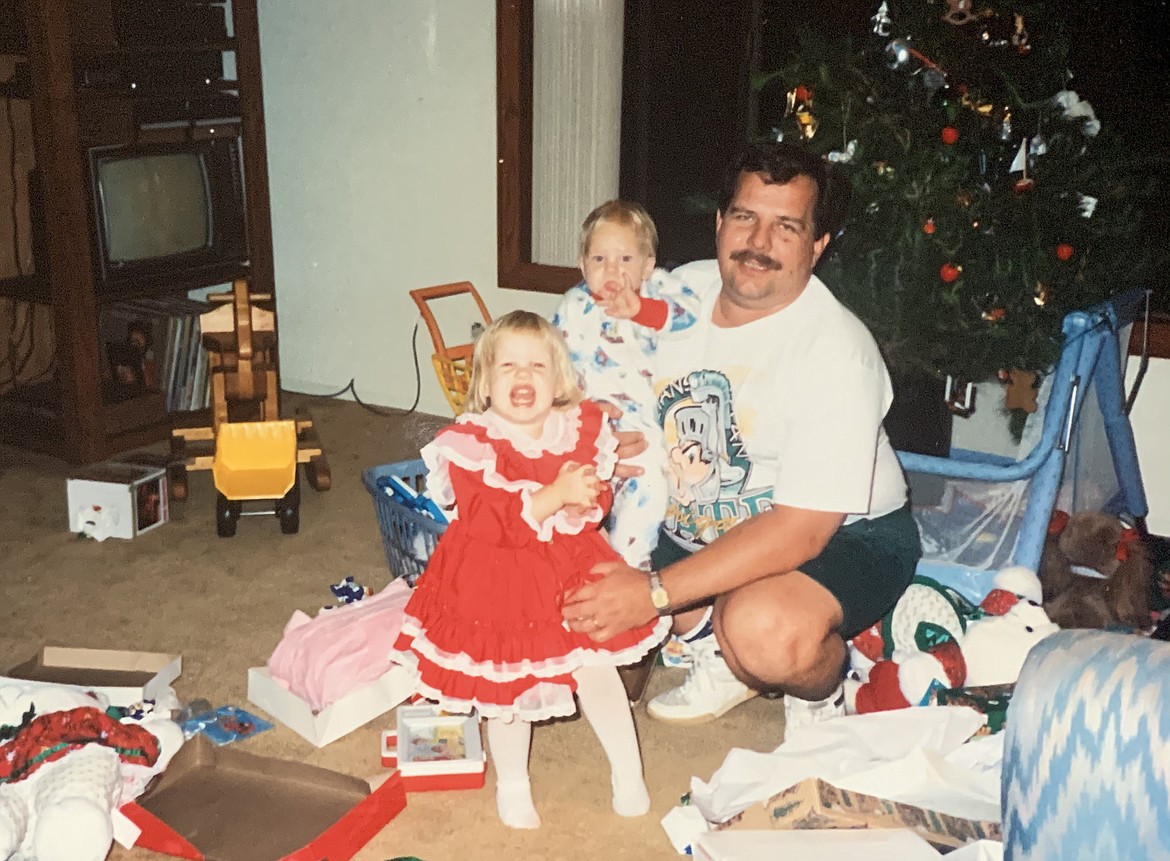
<point x="65" y="766"/>
<point x="1096" y="573"/>
<point x="936" y="638"/>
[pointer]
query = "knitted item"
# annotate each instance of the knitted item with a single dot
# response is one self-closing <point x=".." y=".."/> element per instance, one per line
<point x="50" y="737"/>
<point x="66" y="808"/>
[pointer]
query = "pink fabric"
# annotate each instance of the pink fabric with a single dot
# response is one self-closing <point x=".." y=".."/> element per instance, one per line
<point x="324" y="658"/>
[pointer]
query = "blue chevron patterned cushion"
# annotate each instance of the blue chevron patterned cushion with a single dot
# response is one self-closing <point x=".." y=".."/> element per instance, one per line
<point x="1086" y="768"/>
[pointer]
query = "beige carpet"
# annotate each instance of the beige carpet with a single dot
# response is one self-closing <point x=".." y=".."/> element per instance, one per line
<point x="222" y="604"/>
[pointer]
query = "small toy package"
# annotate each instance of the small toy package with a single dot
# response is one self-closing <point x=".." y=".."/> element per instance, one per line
<point x="434" y="750"/>
<point x="224" y="725"/>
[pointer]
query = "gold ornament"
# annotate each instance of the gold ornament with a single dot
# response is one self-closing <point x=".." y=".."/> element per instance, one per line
<point x="982" y="108"/>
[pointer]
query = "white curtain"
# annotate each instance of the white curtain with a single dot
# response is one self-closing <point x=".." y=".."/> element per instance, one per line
<point x="576" y="126"/>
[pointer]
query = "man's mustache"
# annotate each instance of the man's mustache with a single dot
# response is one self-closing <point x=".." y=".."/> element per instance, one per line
<point x="745" y="256"/>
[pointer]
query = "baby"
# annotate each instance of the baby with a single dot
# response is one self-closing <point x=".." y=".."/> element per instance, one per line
<point x="612" y="323"/>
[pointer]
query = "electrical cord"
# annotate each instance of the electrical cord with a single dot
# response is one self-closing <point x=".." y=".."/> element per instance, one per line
<point x="350" y="388"/>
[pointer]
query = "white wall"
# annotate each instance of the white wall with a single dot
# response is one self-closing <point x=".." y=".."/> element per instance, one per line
<point x="1150" y="418"/>
<point x="381" y="127"/>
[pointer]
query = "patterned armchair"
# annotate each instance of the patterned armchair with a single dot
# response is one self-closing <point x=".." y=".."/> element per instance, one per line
<point x="1086" y="770"/>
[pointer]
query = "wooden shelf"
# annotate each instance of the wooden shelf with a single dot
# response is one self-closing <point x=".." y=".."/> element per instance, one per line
<point x="169" y="91"/>
<point x="89" y="52"/>
<point x="70" y="42"/>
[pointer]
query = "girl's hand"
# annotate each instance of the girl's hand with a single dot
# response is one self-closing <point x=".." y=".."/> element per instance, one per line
<point x="577" y="485"/>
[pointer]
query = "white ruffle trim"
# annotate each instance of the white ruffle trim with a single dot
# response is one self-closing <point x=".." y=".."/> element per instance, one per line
<point x="463" y="663"/>
<point x="468" y="453"/>
<point x="542" y="701"/>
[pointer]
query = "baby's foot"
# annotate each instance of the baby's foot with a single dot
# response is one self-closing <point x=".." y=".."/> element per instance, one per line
<point x="630" y="797"/>
<point x="514" y="804"/>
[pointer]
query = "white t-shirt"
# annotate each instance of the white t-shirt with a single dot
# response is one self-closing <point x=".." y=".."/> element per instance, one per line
<point x="786" y="409"/>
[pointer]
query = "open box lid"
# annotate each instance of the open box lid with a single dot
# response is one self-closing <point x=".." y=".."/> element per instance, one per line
<point x="124" y="677"/>
<point x="223" y="804"/>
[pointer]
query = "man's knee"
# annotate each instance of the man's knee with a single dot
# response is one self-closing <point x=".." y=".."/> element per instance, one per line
<point x="773" y="641"/>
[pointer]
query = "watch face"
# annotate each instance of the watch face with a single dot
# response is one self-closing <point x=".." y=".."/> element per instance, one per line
<point x="659" y="598"/>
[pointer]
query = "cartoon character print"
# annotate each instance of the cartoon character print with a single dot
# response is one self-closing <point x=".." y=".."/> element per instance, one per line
<point x="709" y="464"/>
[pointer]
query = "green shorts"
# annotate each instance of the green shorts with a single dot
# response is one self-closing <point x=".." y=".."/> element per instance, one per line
<point x="866" y="565"/>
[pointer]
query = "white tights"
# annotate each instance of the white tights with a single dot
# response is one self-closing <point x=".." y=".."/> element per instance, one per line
<point x="606" y="707"/>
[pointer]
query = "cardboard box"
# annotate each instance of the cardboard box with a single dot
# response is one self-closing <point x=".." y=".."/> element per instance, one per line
<point x="125" y="678"/>
<point x="223" y="804"/>
<point x="815" y="803"/>
<point x="894" y="844"/>
<point x="435" y="751"/>
<point x="117" y="500"/>
<point x="340" y="718"/>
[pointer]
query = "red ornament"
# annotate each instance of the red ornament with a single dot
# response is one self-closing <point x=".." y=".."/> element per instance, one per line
<point x="803" y="93"/>
<point x="1022" y="185"/>
<point x="949" y="273"/>
<point x="1064" y="252"/>
<point x="929" y="227"/>
<point x="950" y="135"/>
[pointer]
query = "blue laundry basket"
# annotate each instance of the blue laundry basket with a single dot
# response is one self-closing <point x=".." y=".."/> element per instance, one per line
<point x="408" y="536"/>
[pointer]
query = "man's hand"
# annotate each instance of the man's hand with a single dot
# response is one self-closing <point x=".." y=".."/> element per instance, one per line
<point x="605" y="608"/>
<point x="629" y="444"/>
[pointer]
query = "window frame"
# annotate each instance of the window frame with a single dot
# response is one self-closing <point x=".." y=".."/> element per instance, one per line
<point x="515" y="269"/>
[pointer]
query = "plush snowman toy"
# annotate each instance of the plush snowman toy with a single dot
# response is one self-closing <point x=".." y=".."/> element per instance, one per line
<point x="65" y="766"/>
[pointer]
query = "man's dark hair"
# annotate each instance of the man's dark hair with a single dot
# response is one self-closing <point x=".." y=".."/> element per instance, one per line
<point x="781" y="162"/>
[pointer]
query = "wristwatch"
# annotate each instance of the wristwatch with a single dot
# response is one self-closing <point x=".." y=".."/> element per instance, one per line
<point x="658" y="595"/>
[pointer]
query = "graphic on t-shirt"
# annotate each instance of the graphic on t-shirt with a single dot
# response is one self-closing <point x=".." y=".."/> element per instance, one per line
<point x="709" y="463"/>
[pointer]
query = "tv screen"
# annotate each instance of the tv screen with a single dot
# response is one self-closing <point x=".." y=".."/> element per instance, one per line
<point x="155" y="205"/>
<point x="169" y="210"/>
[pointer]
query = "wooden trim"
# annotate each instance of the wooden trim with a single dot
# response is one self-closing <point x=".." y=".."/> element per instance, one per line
<point x="1159" y="343"/>
<point x="57" y="146"/>
<point x="515" y="268"/>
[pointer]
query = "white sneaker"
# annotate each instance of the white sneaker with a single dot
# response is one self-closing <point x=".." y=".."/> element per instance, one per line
<point x="800" y="713"/>
<point x="709" y="692"/>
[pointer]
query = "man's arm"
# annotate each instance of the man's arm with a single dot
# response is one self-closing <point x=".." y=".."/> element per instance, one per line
<point x="776" y="541"/>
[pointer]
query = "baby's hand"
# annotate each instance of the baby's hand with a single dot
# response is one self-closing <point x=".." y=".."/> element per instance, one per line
<point x="620" y="299"/>
<point x="622" y="305"/>
<point x="577" y="485"/>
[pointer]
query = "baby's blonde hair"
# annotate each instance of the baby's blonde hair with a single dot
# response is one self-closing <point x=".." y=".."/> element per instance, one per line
<point x="528" y="323"/>
<point x="626" y="214"/>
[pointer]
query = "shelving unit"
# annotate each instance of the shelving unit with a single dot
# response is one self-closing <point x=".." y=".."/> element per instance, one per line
<point x="93" y="86"/>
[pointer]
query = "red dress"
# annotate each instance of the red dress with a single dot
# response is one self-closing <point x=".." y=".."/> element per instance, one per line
<point x="484" y="629"/>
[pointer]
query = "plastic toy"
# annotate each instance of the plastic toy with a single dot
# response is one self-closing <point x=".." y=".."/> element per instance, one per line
<point x="253" y="453"/>
<point x="452" y="364"/>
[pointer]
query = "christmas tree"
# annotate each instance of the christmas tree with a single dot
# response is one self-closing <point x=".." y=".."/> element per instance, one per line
<point x="987" y="200"/>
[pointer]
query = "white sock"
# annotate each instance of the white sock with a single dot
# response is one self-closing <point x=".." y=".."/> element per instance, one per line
<point x="509" y="743"/>
<point x="606" y="707"/>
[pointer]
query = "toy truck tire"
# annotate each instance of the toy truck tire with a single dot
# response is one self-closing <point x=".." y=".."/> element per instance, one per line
<point x="227" y="516"/>
<point x="288" y="510"/>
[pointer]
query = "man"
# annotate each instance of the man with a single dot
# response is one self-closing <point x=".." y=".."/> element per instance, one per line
<point x="788" y="531"/>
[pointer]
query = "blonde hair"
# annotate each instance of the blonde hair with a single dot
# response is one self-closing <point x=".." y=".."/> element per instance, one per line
<point x="626" y="214"/>
<point x="527" y="323"/>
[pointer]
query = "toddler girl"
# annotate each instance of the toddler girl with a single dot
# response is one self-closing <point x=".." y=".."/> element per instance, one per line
<point x="526" y="468"/>
<point x="612" y="322"/>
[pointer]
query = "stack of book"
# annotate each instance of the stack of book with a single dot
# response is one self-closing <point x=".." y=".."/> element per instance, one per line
<point x="153" y="344"/>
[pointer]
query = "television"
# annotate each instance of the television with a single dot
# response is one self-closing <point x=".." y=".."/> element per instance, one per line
<point x="169" y="210"/>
